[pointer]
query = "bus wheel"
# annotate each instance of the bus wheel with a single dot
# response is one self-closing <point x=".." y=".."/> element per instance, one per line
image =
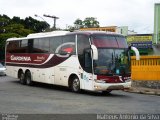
<point x="75" y="85"/>
<point x="106" y="92"/>
<point x="28" y="78"/>
<point x="22" y="78"/>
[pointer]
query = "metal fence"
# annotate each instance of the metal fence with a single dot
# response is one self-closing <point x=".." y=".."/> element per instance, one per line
<point x="147" y="68"/>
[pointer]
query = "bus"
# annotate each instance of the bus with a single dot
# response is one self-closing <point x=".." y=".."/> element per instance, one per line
<point x="81" y="60"/>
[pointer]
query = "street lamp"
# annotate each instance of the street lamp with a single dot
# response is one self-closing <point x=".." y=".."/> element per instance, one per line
<point x="54" y="17"/>
<point x="48" y="28"/>
<point x="41" y="18"/>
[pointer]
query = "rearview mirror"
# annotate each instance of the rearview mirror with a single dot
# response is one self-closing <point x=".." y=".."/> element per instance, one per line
<point x="95" y="52"/>
<point x="136" y="52"/>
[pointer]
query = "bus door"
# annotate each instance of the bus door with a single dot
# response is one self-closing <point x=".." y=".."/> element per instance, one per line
<point x="84" y="57"/>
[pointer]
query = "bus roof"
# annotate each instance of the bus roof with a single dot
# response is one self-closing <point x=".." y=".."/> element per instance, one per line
<point x="95" y="32"/>
<point x="59" y="33"/>
<point x="40" y="35"/>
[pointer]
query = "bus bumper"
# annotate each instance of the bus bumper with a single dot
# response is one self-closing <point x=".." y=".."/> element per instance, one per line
<point x="111" y="86"/>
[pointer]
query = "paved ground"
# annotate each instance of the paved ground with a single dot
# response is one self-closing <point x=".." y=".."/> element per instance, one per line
<point x="48" y="99"/>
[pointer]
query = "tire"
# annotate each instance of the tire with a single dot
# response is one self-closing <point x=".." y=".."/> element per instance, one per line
<point x="22" y="78"/>
<point x="28" y="78"/>
<point x="75" y="86"/>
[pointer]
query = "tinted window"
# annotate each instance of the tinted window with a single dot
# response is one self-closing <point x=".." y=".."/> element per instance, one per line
<point x="121" y="42"/>
<point x="68" y="44"/>
<point x="82" y="43"/>
<point x="103" y="41"/>
<point x="36" y="46"/>
<point x="55" y="42"/>
<point x="23" y="47"/>
<point x="41" y="45"/>
<point x="44" y="45"/>
<point x="109" y="41"/>
<point x="13" y="46"/>
<point x="17" y="46"/>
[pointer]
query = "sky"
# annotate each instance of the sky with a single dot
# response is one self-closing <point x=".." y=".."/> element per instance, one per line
<point x="138" y="15"/>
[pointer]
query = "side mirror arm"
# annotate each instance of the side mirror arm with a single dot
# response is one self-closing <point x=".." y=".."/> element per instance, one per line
<point x="136" y="52"/>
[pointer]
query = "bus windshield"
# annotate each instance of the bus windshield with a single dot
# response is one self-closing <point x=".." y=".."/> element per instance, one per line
<point x="112" y="62"/>
<point x="113" y="55"/>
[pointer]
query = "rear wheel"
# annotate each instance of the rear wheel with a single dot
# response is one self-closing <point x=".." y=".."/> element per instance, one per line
<point x="28" y="78"/>
<point x="75" y="86"/>
<point x="22" y="78"/>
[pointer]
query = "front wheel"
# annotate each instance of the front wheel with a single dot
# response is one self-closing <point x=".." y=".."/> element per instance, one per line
<point x="75" y="85"/>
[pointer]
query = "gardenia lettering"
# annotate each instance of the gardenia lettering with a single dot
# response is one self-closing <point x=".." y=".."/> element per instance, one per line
<point x="20" y="58"/>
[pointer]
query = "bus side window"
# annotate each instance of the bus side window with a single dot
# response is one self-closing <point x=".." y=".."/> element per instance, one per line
<point x="68" y="44"/>
<point x="36" y="46"/>
<point x="44" y="45"/>
<point x="55" y="42"/>
<point x="13" y="46"/>
<point x="41" y="45"/>
<point x="23" y="47"/>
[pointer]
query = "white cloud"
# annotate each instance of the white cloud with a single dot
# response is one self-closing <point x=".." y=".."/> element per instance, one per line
<point x="137" y="14"/>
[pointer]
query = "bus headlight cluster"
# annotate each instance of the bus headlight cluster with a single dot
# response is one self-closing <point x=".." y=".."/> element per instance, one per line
<point x="127" y="79"/>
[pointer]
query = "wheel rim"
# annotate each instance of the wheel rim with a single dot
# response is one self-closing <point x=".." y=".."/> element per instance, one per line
<point x="22" y="77"/>
<point x="76" y="85"/>
<point x="28" y="80"/>
<point x="22" y="80"/>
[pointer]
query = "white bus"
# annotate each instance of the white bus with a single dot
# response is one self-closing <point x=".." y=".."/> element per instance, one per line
<point x="88" y="60"/>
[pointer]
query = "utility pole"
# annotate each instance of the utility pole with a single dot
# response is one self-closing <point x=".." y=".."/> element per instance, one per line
<point x="54" y="18"/>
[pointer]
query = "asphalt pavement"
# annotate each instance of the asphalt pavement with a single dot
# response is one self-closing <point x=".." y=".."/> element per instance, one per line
<point x="54" y="100"/>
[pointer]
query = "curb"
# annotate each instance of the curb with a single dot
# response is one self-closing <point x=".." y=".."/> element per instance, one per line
<point x="147" y="91"/>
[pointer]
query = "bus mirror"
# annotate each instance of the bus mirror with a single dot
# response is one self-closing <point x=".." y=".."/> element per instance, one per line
<point x="95" y="52"/>
<point x="136" y="52"/>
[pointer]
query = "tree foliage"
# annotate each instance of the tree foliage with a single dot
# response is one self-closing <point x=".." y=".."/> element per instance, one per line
<point x="78" y="23"/>
<point x="88" y="22"/>
<point x="16" y="27"/>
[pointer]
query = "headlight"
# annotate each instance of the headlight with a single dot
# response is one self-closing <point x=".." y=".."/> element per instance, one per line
<point x="128" y="80"/>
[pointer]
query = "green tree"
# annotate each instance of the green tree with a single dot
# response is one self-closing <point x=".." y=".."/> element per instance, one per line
<point x="17" y="27"/>
<point x="78" y="23"/>
<point x="35" y="25"/>
<point x="90" y="22"/>
<point x="17" y="20"/>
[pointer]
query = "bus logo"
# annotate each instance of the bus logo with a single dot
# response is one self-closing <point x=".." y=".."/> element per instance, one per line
<point x="20" y="58"/>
